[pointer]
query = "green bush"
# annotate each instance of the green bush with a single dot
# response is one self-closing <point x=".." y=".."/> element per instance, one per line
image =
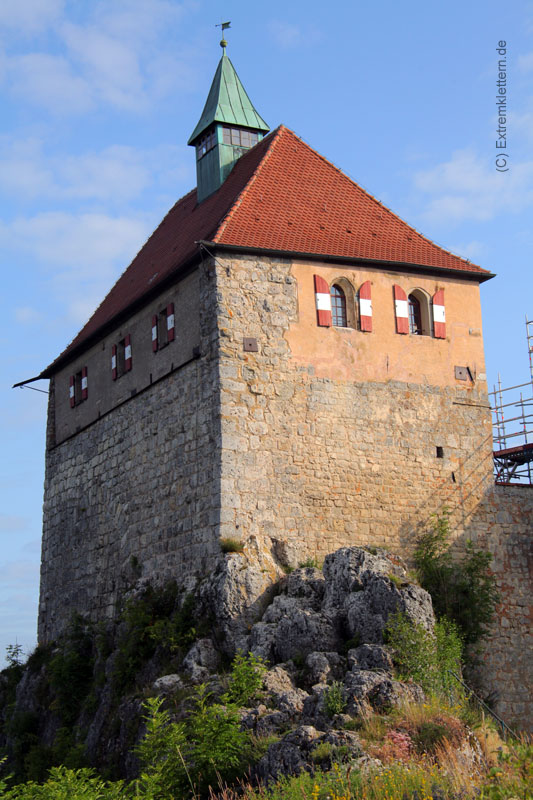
<point x="192" y="755"/>
<point x="463" y="591"/>
<point x="67" y="784"/>
<point x="334" y="700"/>
<point x="424" y="657"/>
<point x="152" y="621"/>
<point x="245" y="679"/>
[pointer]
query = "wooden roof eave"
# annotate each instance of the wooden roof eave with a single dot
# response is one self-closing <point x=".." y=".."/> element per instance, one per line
<point x="394" y="266"/>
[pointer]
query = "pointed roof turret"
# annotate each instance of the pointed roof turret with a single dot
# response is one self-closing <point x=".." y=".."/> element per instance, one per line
<point x="228" y="102"/>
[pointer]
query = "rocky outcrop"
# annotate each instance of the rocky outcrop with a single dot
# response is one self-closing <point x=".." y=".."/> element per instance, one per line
<point x="311" y="610"/>
<point x="320" y="631"/>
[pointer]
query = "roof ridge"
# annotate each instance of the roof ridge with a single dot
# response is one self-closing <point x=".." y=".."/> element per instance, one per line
<point x="276" y="134"/>
<point x="352" y="181"/>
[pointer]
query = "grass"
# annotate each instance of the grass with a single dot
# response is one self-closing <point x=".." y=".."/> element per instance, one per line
<point x="229" y="545"/>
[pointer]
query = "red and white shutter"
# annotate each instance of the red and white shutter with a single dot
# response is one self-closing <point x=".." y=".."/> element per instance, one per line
<point x="439" y="315"/>
<point x="170" y="322"/>
<point x="84" y="385"/>
<point x="127" y="353"/>
<point x="323" y="302"/>
<point x="114" y="362"/>
<point x="401" y="310"/>
<point x="71" y="391"/>
<point x="154" y="333"/>
<point x="365" y="306"/>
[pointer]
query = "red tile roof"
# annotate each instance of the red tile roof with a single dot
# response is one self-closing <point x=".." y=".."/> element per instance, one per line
<point x="280" y="196"/>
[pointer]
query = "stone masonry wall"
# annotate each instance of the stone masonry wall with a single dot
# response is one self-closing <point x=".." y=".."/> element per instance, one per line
<point x="320" y="462"/>
<point x="136" y="494"/>
<point x="503" y="523"/>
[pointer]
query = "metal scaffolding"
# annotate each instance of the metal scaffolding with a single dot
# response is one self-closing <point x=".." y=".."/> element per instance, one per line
<point x="512" y="417"/>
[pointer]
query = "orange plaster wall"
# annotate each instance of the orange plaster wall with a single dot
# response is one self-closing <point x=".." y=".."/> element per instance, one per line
<point x="347" y="354"/>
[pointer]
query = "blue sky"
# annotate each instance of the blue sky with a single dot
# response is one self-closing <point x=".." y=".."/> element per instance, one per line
<point x="99" y="99"/>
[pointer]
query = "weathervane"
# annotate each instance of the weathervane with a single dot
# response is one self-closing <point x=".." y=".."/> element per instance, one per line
<point x="223" y="25"/>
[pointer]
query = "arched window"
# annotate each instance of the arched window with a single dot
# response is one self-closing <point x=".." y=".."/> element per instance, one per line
<point x="419" y="308"/>
<point x="415" y="315"/>
<point x="338" y="307"/>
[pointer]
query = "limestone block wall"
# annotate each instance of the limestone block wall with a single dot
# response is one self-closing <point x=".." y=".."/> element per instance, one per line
<point x="136" y="493"/>
<point x="503" y="523"/>
<point x="323" y="457"/>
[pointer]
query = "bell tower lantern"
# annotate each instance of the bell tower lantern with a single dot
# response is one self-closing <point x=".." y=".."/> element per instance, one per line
<point x="229" y="125"/>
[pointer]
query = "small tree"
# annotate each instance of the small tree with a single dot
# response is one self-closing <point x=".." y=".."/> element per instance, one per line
<point x="464" y="591"/>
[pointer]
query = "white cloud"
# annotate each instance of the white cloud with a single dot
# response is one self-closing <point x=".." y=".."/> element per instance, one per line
<point x="525" y="63"/>
<point x="27" y="315"/>
<point x="469" y="188"/>
<point x="111" y="66"/>
<point x="82" y="254"/>
<point x="121" y="55"/>
<point x="117" y="174"/>
<point x="288" y="36"/>
<point x="50" y="82"/>
<point x="29" y="16"/>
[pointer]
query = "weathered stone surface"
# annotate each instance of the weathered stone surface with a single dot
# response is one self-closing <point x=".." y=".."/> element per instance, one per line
<point x="295" y="753"/>
<point x="290" y="629"/>
<point x="167" y="684"/>
<point x="277" y="681"/>
<point x="370" y="656"/>
<point x="366" y="690"/>
<point x="290" y="756"/>
<point x="240" y="589"/>
<point x="204" y="654"/>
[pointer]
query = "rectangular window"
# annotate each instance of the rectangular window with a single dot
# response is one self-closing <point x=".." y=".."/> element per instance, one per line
<point x="206" y="143"/>
<point x="121" y="360"/>
<point x="163" y="327"/>
<point x="239" y="137"/>
<point x="78" y="387"/>
<point x="162" y="330"/>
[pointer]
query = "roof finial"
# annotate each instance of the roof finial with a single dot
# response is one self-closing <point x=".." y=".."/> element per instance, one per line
<point x="223" y="42"/>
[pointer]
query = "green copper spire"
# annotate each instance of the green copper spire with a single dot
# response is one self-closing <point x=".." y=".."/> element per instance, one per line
<point x="229" y="126"/>
<point x="228" y="102"/>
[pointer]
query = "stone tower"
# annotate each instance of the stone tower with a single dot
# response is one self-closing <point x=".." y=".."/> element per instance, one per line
<point x="284" y="356"/>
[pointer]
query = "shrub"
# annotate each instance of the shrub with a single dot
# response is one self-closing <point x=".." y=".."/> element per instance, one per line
<point x="423" y="657"/>
<point x="463" y="591"/>
<point x="152" y="621"/>
<point x="311" y="563"/>
<point x="67" y="784"/>
<point x="194" y="754"/>
<point x="334" y="700"/>
<point x="245" y="680"/>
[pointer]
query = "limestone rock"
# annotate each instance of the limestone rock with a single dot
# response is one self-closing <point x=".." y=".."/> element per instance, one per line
<point x="290" y="629"/>
<point x="239" y="590"/>
<point x="370" y="656"/>
<point x="167" y="684"/>
<point x="366" y="690"/>
<point x="290" y="756"/>
<point x="322" y="667"/>
<point x="298" y="752"/>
